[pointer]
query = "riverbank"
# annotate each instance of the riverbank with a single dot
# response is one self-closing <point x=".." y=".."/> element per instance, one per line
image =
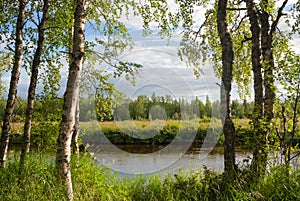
<point x="162" y="132"/>
<point x="44" y="134"/>
<point x="39" y="182"/>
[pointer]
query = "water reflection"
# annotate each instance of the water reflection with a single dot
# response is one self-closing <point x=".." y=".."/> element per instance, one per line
<point x="193" y="159"/>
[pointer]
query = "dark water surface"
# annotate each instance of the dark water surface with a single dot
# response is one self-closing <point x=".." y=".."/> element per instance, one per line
<point x="145" y="159"/>
<point x="137" y="159"/>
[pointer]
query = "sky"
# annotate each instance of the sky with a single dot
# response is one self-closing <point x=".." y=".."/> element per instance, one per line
<point x="163" y="72"/>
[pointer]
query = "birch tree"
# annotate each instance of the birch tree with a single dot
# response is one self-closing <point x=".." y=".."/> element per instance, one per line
<point x="264" y="18"/>
<point x="41" y="26"/>
<point x="195" y="47"/>
<point x="15" y="74"/>
<point x="105" y="15"/>
<point x="227" y="63"/>
<point x="256" y="41"/>
<point x="63" y="154"/>
<point x="258" y="154"/>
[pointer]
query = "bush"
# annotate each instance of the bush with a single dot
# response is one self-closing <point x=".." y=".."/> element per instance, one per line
<point x="44" y="135"/>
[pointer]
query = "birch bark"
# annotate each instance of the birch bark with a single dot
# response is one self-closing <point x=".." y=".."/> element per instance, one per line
<point x="63" y="154"/>
<point x="33" y="82"/>
<point x="227" y="62"/>
<point x="15" y="74"/>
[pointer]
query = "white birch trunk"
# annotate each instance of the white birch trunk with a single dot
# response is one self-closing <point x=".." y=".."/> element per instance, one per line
<point x="15" y="74"/>
<point x="76" y="131"/>
<point x="63" y="154"/>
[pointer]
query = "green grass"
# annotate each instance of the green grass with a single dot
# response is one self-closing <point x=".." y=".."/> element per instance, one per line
<point x="39" y="182"/>
<point x="128" y="132"/>
<point x="44" y="134"/>
<point x="164" y="132"/>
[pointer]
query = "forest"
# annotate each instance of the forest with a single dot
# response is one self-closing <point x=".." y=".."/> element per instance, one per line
<point x="138" y="109"/>
<point x="50" y="140"/>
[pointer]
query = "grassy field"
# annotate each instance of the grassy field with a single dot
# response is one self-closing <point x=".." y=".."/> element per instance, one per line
<point x="17" y="127"/>
<point x="146" y="132"/>
<point x="131" y="132"/>
<point x="243" y="123"/>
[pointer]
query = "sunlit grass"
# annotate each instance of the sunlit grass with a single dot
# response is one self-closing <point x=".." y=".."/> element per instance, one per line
<point x="17" y="127"/>
<point x="244" y="123"/>
<point x="122" y="132"/>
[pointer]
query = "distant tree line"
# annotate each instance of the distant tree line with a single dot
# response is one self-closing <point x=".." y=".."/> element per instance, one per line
<point x="165" y="107"/>
<point x="141" y="108"/>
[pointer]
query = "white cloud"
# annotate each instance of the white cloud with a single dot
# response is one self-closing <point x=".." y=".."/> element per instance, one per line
<point x="163" y="72"/>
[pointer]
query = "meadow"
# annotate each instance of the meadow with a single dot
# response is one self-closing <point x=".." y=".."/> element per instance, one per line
<point x="38" y="181"/>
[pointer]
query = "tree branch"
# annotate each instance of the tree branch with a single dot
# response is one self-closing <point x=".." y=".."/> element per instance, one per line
<point x="246" y="39"/>
<point x="234" y="9"/>
<point x="240" y="23"/>
<point x="65" y="52"/>
<point x="279" y="14"/>
<point x="33" y="21"/>
<point x="10" y="48"/>
<point x="296" y="155"/>
<point x="202" y="25"/>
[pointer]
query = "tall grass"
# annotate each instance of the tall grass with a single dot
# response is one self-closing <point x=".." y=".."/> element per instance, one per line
<point x="39" y="182"/>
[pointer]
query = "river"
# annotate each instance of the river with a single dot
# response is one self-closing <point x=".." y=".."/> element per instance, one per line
<point x="148" y="159"/>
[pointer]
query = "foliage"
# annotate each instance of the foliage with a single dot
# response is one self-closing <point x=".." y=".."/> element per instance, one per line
<point x="48" y="113"/>
<point x="201" y="41"/>
<point x="279" y="186"/>
<point x="287" y="106"/>
<point x="48" y="109"/>
<point x="8" y="18"/>
<point x="296" y="17"/>
<point x="19" y="109"/>
<point x="44" y="135"/>
<point x="111" y="105"/>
